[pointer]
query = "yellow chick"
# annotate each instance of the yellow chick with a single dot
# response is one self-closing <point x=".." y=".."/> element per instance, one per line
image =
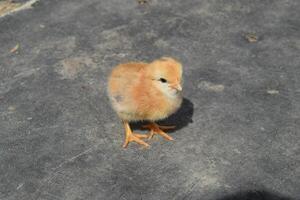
<point x="146" y="91"/>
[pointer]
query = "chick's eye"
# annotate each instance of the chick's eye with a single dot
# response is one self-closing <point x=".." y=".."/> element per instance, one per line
<point x="163" y="80"/>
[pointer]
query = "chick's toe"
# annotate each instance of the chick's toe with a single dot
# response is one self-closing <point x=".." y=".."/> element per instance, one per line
<point x="157" y="129"/>
<point x="133" y="137"/>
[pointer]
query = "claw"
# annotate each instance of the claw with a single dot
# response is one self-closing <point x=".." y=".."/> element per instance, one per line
<point x="133" y="137"/>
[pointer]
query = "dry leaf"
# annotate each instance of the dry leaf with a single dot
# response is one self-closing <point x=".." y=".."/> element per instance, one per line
<point x="8" y="6"/>
<point x="251" y="37"/>
<point x="13" y="50"/>
<point x="141" y="2"/>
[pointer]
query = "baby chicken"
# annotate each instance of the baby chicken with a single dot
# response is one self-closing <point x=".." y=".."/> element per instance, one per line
<point x="146" y="91"/>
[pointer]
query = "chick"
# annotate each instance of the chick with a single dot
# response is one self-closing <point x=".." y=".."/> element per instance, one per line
<point x="146" y="91"/>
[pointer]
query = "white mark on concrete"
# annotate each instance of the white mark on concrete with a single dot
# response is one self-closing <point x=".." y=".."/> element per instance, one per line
<point x="237" y="151"/>
<point x="161" y="43"/>
<point x="224" y="62"/>
<point x="26" y="73"/>
<point x="211" y="87"/>
<point x="11" y="108"/>
<point x="20" y="185"/>
<point x="53" y="196"/>
<point x="208" y="180"/>
<point x="225" y="162"/>
<point x="76" y="156"/>
<point x="272" y="92"/>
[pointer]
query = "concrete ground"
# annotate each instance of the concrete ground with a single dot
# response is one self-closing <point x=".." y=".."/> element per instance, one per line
<point x="237" y="133"/>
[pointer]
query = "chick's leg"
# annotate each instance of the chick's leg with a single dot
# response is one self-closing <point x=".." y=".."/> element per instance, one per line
<point x="133" y="137"/>
<point x="157" y="129"/>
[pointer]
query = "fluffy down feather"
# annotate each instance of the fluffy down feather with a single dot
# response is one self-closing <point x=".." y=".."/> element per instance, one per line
<point x="146" y="91"/>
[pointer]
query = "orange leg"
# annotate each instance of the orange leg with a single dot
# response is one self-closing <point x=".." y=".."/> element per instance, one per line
<point x="157" y="129"/>
<point x="133" y="137"/>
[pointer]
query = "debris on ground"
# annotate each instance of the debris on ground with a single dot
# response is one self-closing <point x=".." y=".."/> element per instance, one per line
<point x="251" y="37"/>
<point x="7" y="6"/>
<point x="15" y="49"/>
<point x="141" y="2"/>
<point x="10" y="6"/>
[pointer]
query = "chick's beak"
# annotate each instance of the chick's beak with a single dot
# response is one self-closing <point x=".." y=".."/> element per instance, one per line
<point x="176" y="86"/>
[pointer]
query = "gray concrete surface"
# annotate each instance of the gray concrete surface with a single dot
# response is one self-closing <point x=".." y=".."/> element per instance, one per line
<point x="238" y="129"/>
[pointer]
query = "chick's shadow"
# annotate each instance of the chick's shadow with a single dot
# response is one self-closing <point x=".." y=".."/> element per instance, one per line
<point x="181" y="118"/>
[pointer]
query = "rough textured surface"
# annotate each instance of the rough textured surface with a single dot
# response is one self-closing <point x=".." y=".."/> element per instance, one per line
<point x="238" y="129"/>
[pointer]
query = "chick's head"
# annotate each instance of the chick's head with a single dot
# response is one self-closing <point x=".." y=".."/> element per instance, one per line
<point x="166" y="74"/>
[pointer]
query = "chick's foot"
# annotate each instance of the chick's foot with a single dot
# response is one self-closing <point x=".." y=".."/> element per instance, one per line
<point x="157" y="129"/>
<point x="133" y="137"/>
